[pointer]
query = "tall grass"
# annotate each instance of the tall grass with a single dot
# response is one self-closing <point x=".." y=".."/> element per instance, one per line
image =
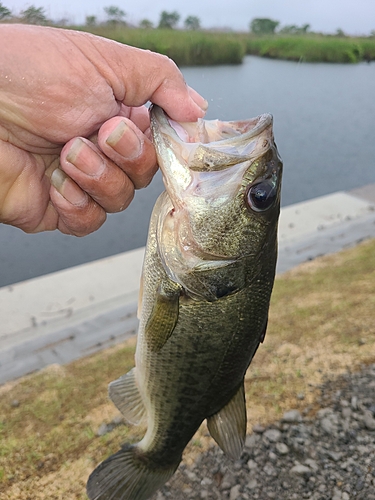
<point x="194" y="48"/>
<point x="312" y="48"/>
<point x="186" y="48"/>
<point x="368" y="47"/>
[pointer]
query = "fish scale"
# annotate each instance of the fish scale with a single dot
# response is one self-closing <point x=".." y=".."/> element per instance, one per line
<point x="207" y="279"/>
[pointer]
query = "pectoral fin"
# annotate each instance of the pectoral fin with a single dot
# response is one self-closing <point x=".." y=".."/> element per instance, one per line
<point x="228" y="426"/>
<point x="163" y="317"/>
<point x="125" y="395"/>
<point x="140" y="297"/>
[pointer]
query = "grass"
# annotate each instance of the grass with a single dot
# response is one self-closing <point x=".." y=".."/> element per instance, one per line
<point x="321" y="324"/>
<point x="194" y="48"/>
<point x="186" y="48"/>
<point x="312" y="48"/>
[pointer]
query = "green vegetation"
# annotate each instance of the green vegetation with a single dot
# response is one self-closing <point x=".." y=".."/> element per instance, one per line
<point x="321" y="324"/>
<point x="192" y="23"/>
<point x="5" y="13"/>
<point x="312" y="48"/>
<point x="195" y="47"/>
<point x="169" y="20"/>
<point x="186" y="48"/>
<point x="115" y="15"/>
<point x="368" y="48"/>
<point x="33" y="15"/>
<point x="263" y="26"/>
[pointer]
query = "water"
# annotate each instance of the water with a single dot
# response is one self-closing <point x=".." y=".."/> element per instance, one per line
<point x="324" y="122"/>
<point x="324" y="118"/>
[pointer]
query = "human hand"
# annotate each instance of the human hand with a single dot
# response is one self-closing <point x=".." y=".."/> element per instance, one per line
<point x="74" y="134"/>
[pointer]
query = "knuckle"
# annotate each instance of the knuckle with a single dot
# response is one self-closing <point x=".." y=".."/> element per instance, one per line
<point x="83" y="221"/>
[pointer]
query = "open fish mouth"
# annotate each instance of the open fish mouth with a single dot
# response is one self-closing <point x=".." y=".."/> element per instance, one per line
<point x="196" y="144"/>
<point x="189" y="154"/>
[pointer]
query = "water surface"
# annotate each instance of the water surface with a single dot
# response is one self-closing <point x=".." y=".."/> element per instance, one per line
<point x="324" y="118"/>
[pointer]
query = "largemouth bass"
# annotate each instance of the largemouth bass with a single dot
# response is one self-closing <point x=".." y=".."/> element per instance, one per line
<point x="207" y="279"/>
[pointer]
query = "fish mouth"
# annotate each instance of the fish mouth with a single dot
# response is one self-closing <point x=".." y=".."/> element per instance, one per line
<point x="218" y="133"/>
<point x="206" y="146"/>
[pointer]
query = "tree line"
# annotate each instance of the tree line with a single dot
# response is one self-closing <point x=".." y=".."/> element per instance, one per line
<point x="115" y="16"/>
<point x="266" y="26"/>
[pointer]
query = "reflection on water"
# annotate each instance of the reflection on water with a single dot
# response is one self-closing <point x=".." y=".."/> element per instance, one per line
<point x="324" y="127"/>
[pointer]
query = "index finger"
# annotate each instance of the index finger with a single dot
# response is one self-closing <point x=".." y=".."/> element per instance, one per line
<point x="137" y="76"/>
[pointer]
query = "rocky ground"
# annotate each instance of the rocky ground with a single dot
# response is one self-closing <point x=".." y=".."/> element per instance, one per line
<point x="323" y="455"/>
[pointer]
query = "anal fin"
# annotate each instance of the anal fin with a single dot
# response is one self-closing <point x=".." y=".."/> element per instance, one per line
<point x="228" y="426"/>
<point x="125" y="395"/>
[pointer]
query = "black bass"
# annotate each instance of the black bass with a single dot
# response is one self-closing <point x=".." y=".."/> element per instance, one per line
<point x="207" y="279"/>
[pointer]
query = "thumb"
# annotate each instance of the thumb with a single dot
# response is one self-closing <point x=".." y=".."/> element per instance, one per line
<point x="137" y="76"/>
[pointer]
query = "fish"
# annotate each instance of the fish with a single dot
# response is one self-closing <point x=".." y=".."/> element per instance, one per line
<point x="207" y="278"/>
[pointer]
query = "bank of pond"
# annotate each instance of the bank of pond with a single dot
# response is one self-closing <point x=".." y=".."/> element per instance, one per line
<point x="194" y="48"/>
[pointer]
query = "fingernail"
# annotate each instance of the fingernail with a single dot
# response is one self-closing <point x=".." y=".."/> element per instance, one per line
<point x="125" y="141"/>
<point x="198" y="99"/>
<point x="68" y="188"/>
<point x="85" y="158"/>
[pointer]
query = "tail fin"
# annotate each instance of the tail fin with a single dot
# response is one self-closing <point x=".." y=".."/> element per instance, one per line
<point x="127" y="475"/>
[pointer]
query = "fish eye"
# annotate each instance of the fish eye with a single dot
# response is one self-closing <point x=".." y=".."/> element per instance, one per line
<point x="261" y="196"/>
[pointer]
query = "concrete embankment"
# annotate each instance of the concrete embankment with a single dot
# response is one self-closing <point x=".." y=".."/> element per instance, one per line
<point x="72" y="313"/>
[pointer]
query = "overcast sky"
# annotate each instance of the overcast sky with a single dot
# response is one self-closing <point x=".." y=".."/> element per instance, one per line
<point x="355" y="17"/>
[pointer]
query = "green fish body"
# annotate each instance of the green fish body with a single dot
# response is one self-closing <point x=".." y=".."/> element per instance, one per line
<point x="207" y="279"/>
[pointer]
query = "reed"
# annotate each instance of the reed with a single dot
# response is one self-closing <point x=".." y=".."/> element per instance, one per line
<point x="368" y="46"/>
<point x="198" y="48"/>
<point x="312" y="48"/>
<point x="186" y="48"/>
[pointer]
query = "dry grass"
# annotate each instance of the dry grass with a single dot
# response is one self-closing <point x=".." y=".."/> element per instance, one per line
<point x="321" y="324"/>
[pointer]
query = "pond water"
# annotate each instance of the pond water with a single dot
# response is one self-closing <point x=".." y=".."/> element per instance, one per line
<point x="324" y="123"/>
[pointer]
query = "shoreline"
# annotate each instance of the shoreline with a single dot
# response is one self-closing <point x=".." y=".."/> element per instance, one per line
<point x="73" y="313"/>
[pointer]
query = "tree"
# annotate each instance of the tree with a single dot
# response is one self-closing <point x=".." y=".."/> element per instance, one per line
<point x="90" y="21"/>
<point x="34" y="15"/>
<point x="4" y="12"/>
<point x="263" y="26"/>
<point x="339" y="33"/>
<point x="115" y="14"/>
<point x="64" y="21"/>
<point x="146" y="24"/>
<point x="192" y="23"/>
<point x="292" y="29"/>
<point x="169" y="19"/>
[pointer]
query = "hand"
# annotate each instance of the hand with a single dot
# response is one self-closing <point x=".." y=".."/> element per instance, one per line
<point x="74" y="134"/>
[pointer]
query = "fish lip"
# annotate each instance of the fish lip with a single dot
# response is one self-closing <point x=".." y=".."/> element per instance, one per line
<point x="179" y="159"/>
<point x="159" y="117"/>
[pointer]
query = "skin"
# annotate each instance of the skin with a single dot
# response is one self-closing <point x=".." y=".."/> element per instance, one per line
<point x="74" y="134"/>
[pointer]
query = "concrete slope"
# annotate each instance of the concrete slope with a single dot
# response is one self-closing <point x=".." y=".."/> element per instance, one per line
<point x="72" y="313"/>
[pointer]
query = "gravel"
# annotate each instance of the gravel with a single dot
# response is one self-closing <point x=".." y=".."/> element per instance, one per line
<point x="327" y="456"/>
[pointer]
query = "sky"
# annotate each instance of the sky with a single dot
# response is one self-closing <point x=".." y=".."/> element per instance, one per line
<point x="354" y="17"/>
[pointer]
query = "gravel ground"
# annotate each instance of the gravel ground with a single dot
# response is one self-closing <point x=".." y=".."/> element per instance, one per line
<point x="327" y="456"/>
